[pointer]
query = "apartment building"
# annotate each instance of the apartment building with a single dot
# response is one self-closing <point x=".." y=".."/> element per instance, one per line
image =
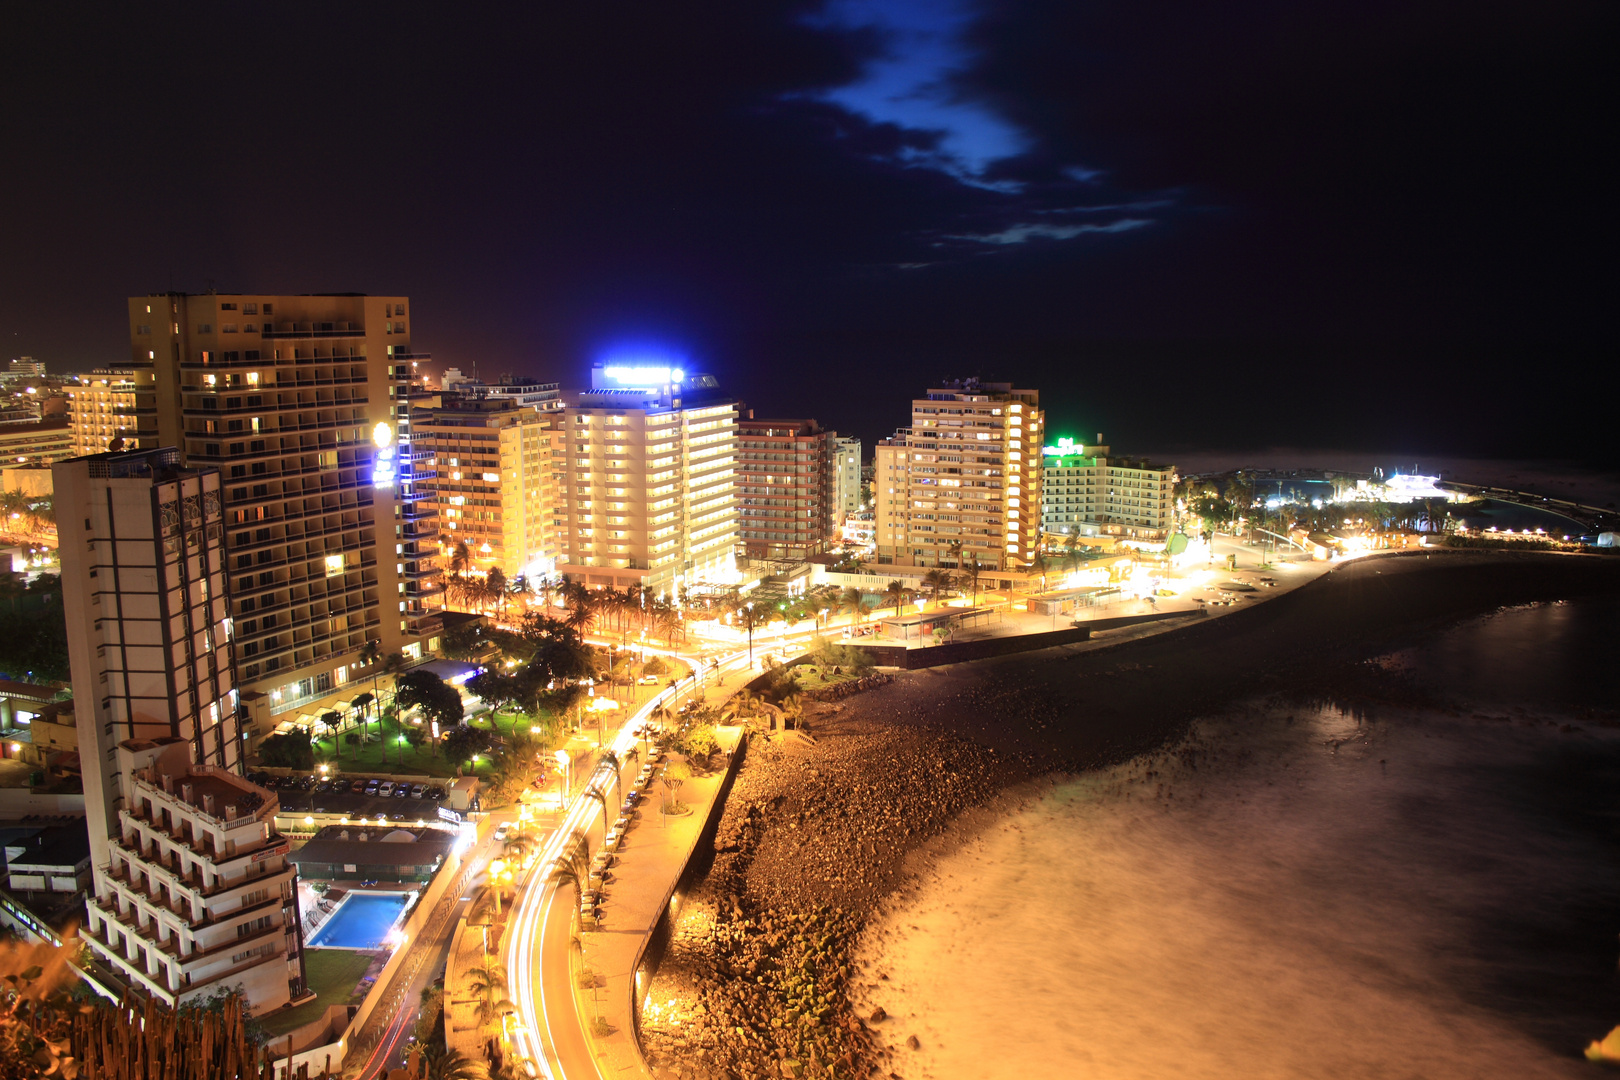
<point x="846" y="477"/>
<point x="303" y="404"/>
<point x="41" y="442"/>
<point x="512" y="389"/>
<point x="972" y="477"/>
<point x="649" y="470"/>
<point x="191" y="887"/>
<point x="785" y="488"/>
<point x="497" y="486"/>
<point x="101" y="408"/>
<point x="891" y="497"/>
<point x="1087" y="492"/>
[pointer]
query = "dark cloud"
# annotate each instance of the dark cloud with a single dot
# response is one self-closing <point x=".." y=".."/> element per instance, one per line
<point x="1369" y="224"/>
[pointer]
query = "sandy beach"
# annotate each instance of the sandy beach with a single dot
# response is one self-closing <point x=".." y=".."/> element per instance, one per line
<point x="824" y="843"/>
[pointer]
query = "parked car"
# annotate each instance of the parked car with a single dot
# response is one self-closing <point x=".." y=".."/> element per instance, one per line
<point x="371" y="786"/>
<point x="435" y="792"/>
<point x="502" y="831"/>
<point x="648" y="680"/>
<point x="386" y="789"/>
<point x="418" y="791"/>
<point x="358" y="786"/>
<point x="402" y="791"/>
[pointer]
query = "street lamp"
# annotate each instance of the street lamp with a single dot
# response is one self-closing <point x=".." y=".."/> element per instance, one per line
<point x="565" y="765"/>
<point x="499" y="874"/>
<point x="750" y="623"/>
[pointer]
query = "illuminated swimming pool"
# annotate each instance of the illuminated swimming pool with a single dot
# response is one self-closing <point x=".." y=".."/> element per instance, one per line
<point x="362" y="921"/>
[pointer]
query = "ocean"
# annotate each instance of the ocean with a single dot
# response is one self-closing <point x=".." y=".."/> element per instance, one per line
<point x="1417" y="884"/>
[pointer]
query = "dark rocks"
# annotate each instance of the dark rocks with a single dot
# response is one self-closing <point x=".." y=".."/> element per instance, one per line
<point x="878" y="1015"/>
<point x="912" y="1043"/>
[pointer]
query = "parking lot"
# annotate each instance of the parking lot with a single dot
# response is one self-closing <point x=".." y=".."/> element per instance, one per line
<point x="313" y="795"/>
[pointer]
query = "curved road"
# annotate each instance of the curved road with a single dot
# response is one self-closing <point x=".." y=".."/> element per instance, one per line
<point x="550" y="1032"/>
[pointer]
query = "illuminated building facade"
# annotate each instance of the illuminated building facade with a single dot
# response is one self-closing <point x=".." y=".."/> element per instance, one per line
<point x="785" y="488"/>
<point x="39" y="443"/>
<point x="303" y="405"/>
<point x="101" y="408"/>
<point x="1083" y="488"/>
<point x="649" y="470"/>
<point x="972" y="477"/>
<point x="891" y="495"/>
<point x="192" y="891"/>
<point x="497" y="484"/>
<point x="846" y="477"/>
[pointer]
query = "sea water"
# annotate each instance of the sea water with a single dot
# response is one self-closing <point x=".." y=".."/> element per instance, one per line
<point x="1348" y="889"/>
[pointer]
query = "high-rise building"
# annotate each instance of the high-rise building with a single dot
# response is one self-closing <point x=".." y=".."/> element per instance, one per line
<point x="784" y="488"/>
<point x="101" y="408"/>
<point x="846" y="477"/>
<point x="650" y="475"/>
<point x="40" y="442"/>
<point x="303" y="404"/>
<point x="192" y="890"/>
<point x="972" y="478"/>
<point x="1087" y="492"/>
<point x="891" y="497"/>
<point x="512" y="389"/>
<point x="497" y="485"/>
<point x="26" y="367"/>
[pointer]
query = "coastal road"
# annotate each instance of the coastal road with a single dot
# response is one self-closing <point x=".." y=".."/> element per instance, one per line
<point x="549" y="1029"/>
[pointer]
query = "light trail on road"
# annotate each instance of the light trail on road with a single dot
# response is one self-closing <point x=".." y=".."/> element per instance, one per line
<point x="533" y="1036"/>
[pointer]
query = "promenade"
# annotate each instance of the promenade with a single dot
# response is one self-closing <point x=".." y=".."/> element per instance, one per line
<point x="652" y="859"/>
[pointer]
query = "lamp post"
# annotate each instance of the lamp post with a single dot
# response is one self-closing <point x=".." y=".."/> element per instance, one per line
<point x="750" y="622"/>
<point x="565" y="765"/>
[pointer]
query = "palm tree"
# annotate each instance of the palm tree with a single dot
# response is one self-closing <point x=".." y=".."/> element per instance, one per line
<point x="600" y="796"/>
<point x="616" y="767"/>
<point x="899" y="592"/>
<point x="853" y="601"/>
<point x="330" y="721"/>
<point x="971" y="573"/>
<point x="488" y="981"/>
<point x="564" y="875"/>
<point x="938" y="581"/>
<point x="362" y="703"/>
<point x="445" y="1064"/>
<point x="495" y="590"/>
<point x="461" y="558"/>
<point x="1038" y="564"/>
<point x="581" y="604"/>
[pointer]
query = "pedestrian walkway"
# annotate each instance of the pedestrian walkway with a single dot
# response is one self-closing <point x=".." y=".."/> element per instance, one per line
<point x="652" y="859"/>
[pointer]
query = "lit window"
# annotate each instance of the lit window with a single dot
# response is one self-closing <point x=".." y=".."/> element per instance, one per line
<point x="334" y="565"/>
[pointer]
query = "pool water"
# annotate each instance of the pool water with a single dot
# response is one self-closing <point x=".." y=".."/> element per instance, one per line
<point x="361" y="921"/>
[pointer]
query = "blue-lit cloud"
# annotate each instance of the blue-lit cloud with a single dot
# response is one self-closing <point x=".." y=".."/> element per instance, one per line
<point x="1023" y="233"/>
<point x="913" y="85"/>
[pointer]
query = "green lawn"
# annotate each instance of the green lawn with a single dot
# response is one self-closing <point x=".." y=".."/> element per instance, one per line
<point x="385" y="756"/>
<point x="333" y="975"/>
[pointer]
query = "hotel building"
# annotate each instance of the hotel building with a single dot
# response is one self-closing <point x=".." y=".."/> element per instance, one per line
<point x="192" y="891"/>
<point x="846" y="477"/>
<point x="497" y="486"/>
<point x="972" y="479"/>
<point x="303" y="405"/>
<point x="785" y="483"/>
<point x="1086" y="492"/>
<point x="649" y="470"/>
<point x="891" y="496"/>
<point x="40" y="442"/>
<point x="101" y="408"/>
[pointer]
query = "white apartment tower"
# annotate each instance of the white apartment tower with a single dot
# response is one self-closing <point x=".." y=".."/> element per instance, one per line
<point x="192" y="890"/>
<point x="1086" y="491"/>
<point x="972" y="477"/>
<point x="650" y="459"/>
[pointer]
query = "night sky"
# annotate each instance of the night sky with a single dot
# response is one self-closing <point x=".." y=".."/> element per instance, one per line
<point x="1371" y="226"/>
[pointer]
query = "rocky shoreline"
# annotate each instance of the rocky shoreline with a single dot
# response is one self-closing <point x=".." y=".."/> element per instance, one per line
<point x="814" y="839"/>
